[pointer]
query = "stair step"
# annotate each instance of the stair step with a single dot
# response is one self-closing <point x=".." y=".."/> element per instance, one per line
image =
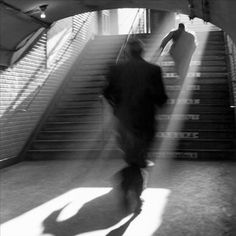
<point x="188" y="109"/>
<point x="215" y="78"/>
<point x="196" y="58"/>
<point x="66" y="144"/>
<point x="197" y="63"/>
<point x="63" y="126"/>
<point x="65" y="135"/>
<point x="85" y="154"/>
<point x="193" y="154"/>
<point x="198" y="87"/>
<point x="95" y="94"/>
<point x="188" y="154"/>
<point x="201" y="69"/>
<point x="212" y="94"/>
<point x="208" y="116"/>
<point x="206" y="144"/>
<point x="75" y="118"/>
<point x="196" y="125"/>
<point x="190" y="101"/>
<point x="163" y="117"/>
<point x="114" y="153"/>
<point x="208" y="125"/>
<point x="196" y="104"/>
<point x="187" y="134"/>
<point x="198" y="101"/>
<point x="199" y="134"/>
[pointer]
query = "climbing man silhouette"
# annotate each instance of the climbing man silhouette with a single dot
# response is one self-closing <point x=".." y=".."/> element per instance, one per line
<point x="182" y="48"/>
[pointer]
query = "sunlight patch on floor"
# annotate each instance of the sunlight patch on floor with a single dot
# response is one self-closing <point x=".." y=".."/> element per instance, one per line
<point x="64" y="213"/>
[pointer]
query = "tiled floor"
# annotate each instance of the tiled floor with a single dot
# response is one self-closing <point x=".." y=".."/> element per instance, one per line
<point x="70" y="198"/>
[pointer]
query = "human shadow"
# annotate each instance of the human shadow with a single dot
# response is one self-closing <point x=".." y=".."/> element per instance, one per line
<point x="98" y="214"/>
<point x="121" y="229"/>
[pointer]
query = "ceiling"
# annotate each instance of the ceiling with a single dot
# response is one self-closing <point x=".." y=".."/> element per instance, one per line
<point x="20" y="18"/>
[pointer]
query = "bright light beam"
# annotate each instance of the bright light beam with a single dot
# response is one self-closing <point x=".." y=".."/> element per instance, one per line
<point x="69" y="206"/>
<point x="166" y="146"/>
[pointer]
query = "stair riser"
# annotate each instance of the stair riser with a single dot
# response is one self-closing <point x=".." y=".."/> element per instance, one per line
<point x="162" y="126"/>
<point x="171" y="87"/>
<point x="194" y="95"/>
<point x="71" y="126"/>
<point x="203" y="58"/>
<point x="80" y="98"/>
<point x="206" y="145"/>
<point x="198" y="78"/>
<point x="199" y="101"/>
<point x="73" y="155"/>
<point x="196" y="117"/>
<point x="202" y="101"/>
<point x="200" y="88"/>
<point x="163" y="117"/>
<point x="114" y="154"/>
<point x="208" y="126"/>
<point x="89" y="144"/>
<point x="198" y="64"/>
<point x="181" y="145"/>
<point x="195" y="155"/>
<point x="187" y="109"/>
<point x="80" y="135"/>
<point x="88" y="120"/>
<point x="200" y="126"/>
<point x="197" y="135"/>
<point x="214" y="69"/>
<point x="69" y="135"/>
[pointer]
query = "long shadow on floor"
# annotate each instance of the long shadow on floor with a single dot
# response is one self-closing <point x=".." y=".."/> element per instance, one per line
<point x="99" y="214"/>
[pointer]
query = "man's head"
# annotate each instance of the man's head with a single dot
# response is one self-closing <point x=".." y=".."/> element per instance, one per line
<point x="181" y="26"/>
<point x="135" y="48"/>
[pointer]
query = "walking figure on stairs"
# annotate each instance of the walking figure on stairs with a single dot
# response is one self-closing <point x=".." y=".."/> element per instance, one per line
<point x="182" y="48"/>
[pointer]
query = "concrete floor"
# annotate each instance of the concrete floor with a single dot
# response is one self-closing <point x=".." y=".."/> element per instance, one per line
<point x="70" y="198"/>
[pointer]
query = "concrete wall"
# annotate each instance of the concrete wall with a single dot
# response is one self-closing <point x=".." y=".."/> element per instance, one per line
<point x="28" y="87"/>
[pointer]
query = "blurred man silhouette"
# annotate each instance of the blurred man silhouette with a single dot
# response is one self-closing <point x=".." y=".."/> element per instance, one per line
<point x="134" y="90"/>
<point x="182" y="48"/>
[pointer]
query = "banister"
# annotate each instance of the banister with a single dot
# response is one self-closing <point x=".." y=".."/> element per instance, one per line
<point x="71" y="40"/>
<point x="127" y="37"/>
<point x="230" y="50"/>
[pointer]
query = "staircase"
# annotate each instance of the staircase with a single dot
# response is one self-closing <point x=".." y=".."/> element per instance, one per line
<point x="74" y="128"/>
<point x="202" y="126"/>
<point x="205" y="126"/>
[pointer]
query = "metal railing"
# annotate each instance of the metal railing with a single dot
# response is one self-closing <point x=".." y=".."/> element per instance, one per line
<point x="130" y="33"/>
<point x="122" y="50"/>
<point x="231" y="52"/>
<point x="52" y="69"/>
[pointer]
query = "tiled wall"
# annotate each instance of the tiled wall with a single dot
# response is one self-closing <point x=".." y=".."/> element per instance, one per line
<point x="27" y="88"/>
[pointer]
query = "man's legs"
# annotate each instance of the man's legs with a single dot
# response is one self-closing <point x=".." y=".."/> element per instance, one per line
<point x="182" y="65"/>
<point x="132" y="179"/>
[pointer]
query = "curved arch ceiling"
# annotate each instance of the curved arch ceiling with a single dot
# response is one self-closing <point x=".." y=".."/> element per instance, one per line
<point x="20" y="18"/>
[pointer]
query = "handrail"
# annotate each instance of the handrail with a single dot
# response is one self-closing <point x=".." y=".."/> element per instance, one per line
<point x="230" y="48"/>
<point x="71" y="40"/>
<point x="127" y="38"/>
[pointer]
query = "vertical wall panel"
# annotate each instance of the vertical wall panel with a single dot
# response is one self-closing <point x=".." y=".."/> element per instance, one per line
<point x="27" y="88"/>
